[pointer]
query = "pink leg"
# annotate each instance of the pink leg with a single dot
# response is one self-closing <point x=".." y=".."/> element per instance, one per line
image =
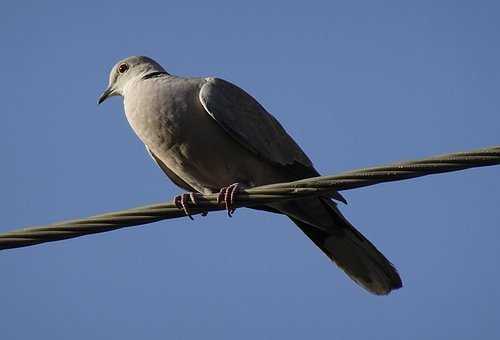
<point x="182" y="202"/>
<point x="228" y="194"/>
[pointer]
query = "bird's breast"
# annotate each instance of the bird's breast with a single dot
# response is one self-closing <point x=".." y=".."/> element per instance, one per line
<point x="178" y="130"/>
<point x="157" y="117"/>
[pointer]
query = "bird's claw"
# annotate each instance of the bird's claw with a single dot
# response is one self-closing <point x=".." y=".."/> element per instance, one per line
<point x="182" y="202"/>
<point x="228" y="195"/>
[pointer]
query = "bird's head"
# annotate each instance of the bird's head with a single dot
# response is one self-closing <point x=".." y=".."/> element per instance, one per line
<point x="127" y="70"/>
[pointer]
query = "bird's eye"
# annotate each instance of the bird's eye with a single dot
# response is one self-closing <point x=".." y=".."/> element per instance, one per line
<point x="123" y="68"/>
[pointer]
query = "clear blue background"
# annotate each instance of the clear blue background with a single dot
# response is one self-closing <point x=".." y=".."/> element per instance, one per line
<point x="356" y="83"/>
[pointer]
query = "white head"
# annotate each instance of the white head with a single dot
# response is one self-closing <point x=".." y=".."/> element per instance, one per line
<point x="126" y="70"/>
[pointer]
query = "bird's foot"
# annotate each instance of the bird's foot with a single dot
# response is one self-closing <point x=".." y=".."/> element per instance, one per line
<point x="182" y="202"/>
<point x="228" y="196"/>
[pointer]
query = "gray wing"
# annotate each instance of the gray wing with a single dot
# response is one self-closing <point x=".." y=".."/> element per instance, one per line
<point x="241" y="116"/>
<point x="173" y="177"/>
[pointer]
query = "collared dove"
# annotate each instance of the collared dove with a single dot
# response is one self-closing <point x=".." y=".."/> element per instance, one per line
<point x="207" y="134"/>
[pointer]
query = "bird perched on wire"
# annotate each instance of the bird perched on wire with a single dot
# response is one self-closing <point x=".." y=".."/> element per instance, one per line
<point x="210" y="136"/>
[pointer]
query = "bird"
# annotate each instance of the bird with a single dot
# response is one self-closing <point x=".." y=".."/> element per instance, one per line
<point x="210" y="136"/>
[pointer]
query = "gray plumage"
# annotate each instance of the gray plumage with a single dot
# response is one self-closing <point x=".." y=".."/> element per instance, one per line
<point x="206" y="133"/>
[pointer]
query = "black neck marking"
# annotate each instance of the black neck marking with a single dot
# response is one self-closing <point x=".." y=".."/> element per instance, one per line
<point x="154" y="74"/>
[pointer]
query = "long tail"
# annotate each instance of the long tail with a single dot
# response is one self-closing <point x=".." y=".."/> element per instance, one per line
<point x="323" y="223"/>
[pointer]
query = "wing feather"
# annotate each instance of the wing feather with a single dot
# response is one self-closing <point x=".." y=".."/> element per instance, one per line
<point x="241" y="116"/>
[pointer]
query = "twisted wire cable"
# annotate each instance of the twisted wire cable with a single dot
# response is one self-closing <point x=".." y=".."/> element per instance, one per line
<point x="315" y="186"/>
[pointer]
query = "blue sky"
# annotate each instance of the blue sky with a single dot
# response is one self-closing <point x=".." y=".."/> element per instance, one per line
<point x="356" y="83"/>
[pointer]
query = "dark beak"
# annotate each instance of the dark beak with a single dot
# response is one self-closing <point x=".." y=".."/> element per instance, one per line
<point x="105" y="95"/>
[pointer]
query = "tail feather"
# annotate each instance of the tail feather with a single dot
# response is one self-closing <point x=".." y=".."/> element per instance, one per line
<point x="351" y="251"/>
